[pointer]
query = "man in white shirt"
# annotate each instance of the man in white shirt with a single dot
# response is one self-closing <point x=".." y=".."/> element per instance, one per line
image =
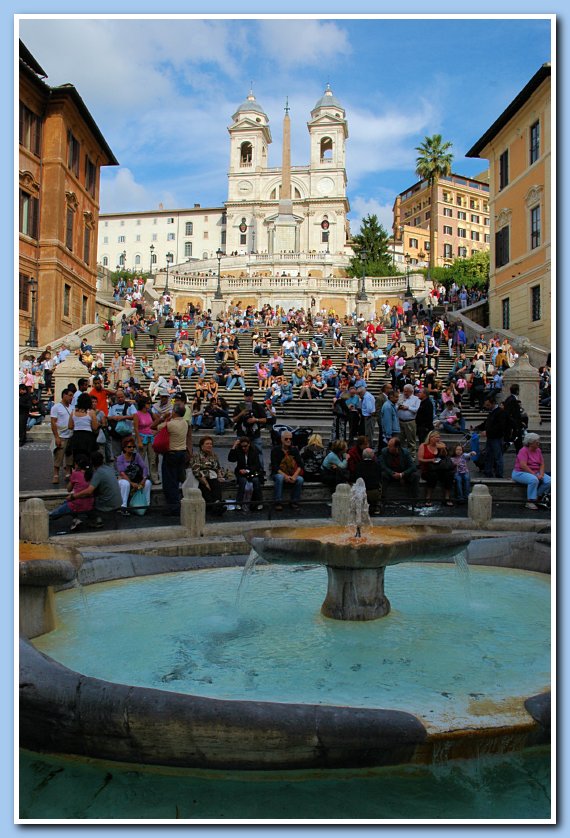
<point x="59" y="418"/>
<point x="408" y="406"/>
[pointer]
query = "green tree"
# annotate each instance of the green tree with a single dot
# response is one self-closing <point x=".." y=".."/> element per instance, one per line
<point x="472" y="272"/>
<point x="434" y="162"/>
<point x="372" y="239"/>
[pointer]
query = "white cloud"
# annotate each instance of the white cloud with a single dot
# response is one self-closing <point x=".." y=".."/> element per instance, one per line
<point x="121" y="193"/>
<point x="360" y="207"/>
<point x="299" y="43"/>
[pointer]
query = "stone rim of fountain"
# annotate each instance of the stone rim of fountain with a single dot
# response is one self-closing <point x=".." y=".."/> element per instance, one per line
<point x="63" y="711"/>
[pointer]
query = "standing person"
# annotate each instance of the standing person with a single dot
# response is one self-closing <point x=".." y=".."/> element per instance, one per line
<point x="517" y="418"/>
<point x="408" y="407"/>
<point x="248" y="470"/>
<point x="286" y="468"/>
<point x="368" y="409"/>
<point x="60" y="415"/>
<point x="101" y="395"/>
<point x="120" y="421"/>
<point x="425" y="415"/>
<point x="24" y="406"/>
<point x="529" y="470"/>
<point x="83" y="422"/>
<point x="389" y="416"/>
<point x="173" y="462"/>
<point x="494" y="427"/>
<point x="144" y="436"/>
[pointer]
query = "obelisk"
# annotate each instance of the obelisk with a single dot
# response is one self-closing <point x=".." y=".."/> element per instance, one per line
<point x="286" y="227"/>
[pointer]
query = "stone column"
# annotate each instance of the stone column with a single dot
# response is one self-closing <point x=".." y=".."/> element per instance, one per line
<point x="528" y="379"/>
<point x="34" y="522"/>
<point x="480" y="505"/>
<point x="341" y="498"/>
<point x="192" y="507"/>
<point x="69" y="371"/>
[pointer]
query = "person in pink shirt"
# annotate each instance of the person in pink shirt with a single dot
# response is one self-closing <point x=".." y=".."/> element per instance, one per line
<point x="529" y="470"/>
<point x="78" y="480"/>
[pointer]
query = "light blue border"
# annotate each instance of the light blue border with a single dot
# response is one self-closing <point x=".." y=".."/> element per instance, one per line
<point x="6" y="193"/>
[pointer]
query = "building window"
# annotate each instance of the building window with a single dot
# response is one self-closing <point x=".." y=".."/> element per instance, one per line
<point x="189" y="228"/>
<point x="73" y="153"/>
<point x="504" y="169"/>
<point x="24" y="293"/>
<point x="205" y="234"/>
<point x="29" y="214"/>
<point x="426" y="246"/>
<point x="90" y="176"/>
<point x="138" y="222"/>
<point x="137" y="238"/>
<point x="69" y="228"/>
<point x="86" y="245"/>
<point x="154" y="259"/>
<point x="170" y="221"/>
<point x="534" y="142"/>
<point x="83" y="310"/>
<point x="475" y="237"/>
<point x="506" y="307"/>
<point x="502" y="247"/>
<point x="428" y="215"/>
<point x="462" y="232"/>
<point x="535" y="303"/>
<point x="460" y="201"/>
<point x="105" y="261"/>
<point x="242" y="238"/>
<point x="413" y="243"/>
<point x="474" y="251"/>
<point x="245" y="154"/>
<point x="535" y="227"/>
<point x="122" y="223"/>
<point x="137" y="259"/>
<point x="486" y="222"/>
<point x="223" y="238"/>
<point x="155" y="237"/>
<point x="171" y="237"/>
<point x="473" y="204"/>
<point x="475" y="219"/>
<point x="105" y="239"/>
<point x="447" y="230"/>
<point x="121" y="239"/>
<point x="30" y="130"/>
<point x="417" y="221"/>
<point x="487" y="238"/>
<point x="325" y="236"/>
<point x="188" y="248"/>
<point x="448" y="212"/>
<point x="462" y="252"/>
<point x="447" y="251"/>
<point x="66" y="299"/>
<point x="461" y="215"/>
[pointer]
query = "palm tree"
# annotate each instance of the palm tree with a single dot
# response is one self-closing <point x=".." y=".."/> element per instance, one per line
<point x="434" y="162"/>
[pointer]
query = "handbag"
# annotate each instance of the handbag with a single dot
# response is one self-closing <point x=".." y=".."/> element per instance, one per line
<point x="138" y="502"/>
<point x="161" y="442"/>
<point x="134" y="472"/>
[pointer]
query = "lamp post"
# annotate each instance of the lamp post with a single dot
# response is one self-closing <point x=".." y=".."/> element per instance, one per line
<point x="218" y="294"/>
<point x="362" y="292"/>
<point x="151" y="255"/>
<point x="169" y="259"/>
<point x="124" y="258"/>
<point x="408" y="290"/>
<point x="33" y="336"/>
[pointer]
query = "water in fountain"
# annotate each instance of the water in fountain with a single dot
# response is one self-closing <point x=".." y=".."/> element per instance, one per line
<point x="359" y="515"/>
<point x="252" y="560"/>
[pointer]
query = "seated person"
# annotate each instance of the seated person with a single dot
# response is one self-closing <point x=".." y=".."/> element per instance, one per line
<point x="248" y="470"/>
<point x="132" y="472"/>
<point x="334" y="469"/>
<point x="286" y="469"/>
<point x="398" y="468"/>
<point x="210" y="475"/>
<point x="313" y="455"/>
<point x="450" y="420"/>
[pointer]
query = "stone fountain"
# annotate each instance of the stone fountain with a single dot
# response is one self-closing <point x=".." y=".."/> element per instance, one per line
<point x="356" y="556"/>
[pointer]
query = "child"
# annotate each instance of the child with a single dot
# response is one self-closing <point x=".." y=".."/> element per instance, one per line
<point x="78" y="480"/>
<point x="462" y="479"/>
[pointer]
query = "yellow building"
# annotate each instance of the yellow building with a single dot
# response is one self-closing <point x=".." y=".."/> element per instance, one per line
<point x="462" y="219"/>
<point x="517" y="146"/>
<point x="61" y="151"/>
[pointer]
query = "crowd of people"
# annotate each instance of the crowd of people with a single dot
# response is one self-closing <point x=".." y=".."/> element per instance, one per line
<point x="393" y="435"/>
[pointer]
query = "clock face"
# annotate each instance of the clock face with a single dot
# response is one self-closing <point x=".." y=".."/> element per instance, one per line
<point x="325" y="186"/>
<point x="245" y="186"/>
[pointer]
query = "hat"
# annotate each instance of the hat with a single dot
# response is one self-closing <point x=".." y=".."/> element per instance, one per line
<point x="248" y="392"/>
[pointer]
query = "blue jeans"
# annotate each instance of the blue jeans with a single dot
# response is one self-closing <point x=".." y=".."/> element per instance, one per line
<point x="220" y="424"/>
<point x="494" y="458"/>
<point x="63" y="509"/>
<point x="462" y="486"/>
<point x="232" y="381"/>
<point x="534" y="486"/>
<point x="279" y="481"/>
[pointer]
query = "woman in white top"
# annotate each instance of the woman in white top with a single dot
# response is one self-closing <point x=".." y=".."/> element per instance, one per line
<point x="84" y="424"/>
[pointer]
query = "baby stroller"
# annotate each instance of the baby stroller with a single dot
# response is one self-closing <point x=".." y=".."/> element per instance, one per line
<point x="300" y="435"/>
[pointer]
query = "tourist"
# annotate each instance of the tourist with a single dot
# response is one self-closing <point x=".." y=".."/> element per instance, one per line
<point x="530" y="471"/>
<point x="120" y="420"/>
<point x="334" y="469"/>
<point x="104" y="486"/>
<point x="368" y="469"/>
<point x="59" y="419"/>
<point x="313" y="455"/>
<point x="517" y="418"/>
<point x="368" y="410"/>
<point x="451" y="420"/>
<point x="408" y="406"/>
<point x="173" y="462"/>
<point x="248" y="470"/>
<point x="460" y="458"/>
<point x="132" y="473"/>
<point x="83" y="422"/>
<point x="495" y="427"/>
<point x="398" y="468"/>
<point x="78" y="480"/>
<point x="286" y="469"/>
<point x="208" y="472"/>
<point x="354" y="455"/>
<point x="389" y="416"/>
<point x="144" y="436"/>
<point x="436" y="467"/>
<point x="236" y="376"/>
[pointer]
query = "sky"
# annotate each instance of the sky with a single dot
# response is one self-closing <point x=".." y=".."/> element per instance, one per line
<point x="163" y="91"/>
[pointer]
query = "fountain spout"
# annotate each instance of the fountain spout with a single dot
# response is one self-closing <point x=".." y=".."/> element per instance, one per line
<point x="359" y="507"/>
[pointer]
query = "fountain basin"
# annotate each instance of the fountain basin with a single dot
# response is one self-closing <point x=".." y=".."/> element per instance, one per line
<point x="356" y="565"/>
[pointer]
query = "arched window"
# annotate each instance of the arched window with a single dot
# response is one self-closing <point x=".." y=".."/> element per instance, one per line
<point x="105" y="261"/>
<point x="326" y="149"/>
<point x="245" y="154"/>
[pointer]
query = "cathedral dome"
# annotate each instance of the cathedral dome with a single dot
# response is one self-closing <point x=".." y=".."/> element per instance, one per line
<point x="328" y="100"/>
<point x="251" y="105"/>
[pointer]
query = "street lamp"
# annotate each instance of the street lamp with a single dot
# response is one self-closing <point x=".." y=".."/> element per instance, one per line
<point x="124" y="257"/>
<point x="33" y="336"/>
<point x="218" y="294"/>
<point x="169" y="259"/>
<point x="408" y="293"/>
<point x="151" y="255"/>
<point x="362" y="293"/>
